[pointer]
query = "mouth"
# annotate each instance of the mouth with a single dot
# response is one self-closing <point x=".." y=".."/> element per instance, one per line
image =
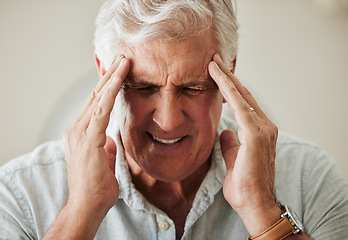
<point x="166" y="141"/>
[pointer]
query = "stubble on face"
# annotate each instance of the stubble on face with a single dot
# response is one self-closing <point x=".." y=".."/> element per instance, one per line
<point x="169" y="107"/>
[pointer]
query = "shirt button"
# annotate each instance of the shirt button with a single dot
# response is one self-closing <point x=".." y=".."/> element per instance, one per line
<point x="164" y="226"/>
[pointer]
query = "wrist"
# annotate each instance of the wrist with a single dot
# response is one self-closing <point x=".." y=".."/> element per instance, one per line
<point x="91" y="206"/>
<point x="86" y="213"/>
<point x="75" y="222"/>
<point x="259" y="219"/>
<point x="288" y="224"/>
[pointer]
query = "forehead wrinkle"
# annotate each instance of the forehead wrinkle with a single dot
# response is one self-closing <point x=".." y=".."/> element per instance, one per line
<point x="184" y="69"/>
<point x="147" y="72"/>
<point x="176" y="62"/>
<point x="161" y="77"/>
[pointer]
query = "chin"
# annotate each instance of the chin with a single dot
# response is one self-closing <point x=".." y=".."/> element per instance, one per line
<point x="169" y="172"/>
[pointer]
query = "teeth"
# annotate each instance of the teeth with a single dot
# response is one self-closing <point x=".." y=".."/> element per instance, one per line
<point x="164" y="141"/>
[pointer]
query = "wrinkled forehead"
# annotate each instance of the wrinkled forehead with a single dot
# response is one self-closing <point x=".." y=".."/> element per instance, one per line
<point x="175" y="60"/>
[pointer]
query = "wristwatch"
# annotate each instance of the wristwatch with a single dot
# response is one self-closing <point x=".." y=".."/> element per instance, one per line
<point x="293" y="219"/>
<point x="288" y="224"/>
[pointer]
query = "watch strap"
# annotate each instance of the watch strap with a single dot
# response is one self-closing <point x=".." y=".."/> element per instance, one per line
<point x="277" y="231"/>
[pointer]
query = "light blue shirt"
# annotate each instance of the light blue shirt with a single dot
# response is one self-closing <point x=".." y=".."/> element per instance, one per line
<point x="33" y="189"/>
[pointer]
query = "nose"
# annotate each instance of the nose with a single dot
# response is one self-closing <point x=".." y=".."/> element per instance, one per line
<point x="169" y="113"/>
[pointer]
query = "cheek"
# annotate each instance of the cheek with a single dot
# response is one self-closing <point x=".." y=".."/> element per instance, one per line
<point x="130" y="118"/>
<point x="206" y="109"/>
<point x="206" y="116"/>
<point x="131" y="111"/>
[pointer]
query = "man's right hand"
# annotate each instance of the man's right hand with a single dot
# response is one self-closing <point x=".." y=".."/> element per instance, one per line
<point x="90" y="158"/>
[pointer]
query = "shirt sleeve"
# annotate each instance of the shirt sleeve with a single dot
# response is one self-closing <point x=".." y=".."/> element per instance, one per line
<point x="325" y="200"/>
<point x="14" y="218"/>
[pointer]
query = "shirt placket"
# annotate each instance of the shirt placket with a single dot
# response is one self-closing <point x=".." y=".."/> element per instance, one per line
<point x="166" y="228"/>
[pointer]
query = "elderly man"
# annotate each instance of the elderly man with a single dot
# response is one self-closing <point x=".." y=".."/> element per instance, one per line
<point x="150" y="157"/>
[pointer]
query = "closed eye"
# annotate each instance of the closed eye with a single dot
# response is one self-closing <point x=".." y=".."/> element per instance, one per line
<point x="147" y="88"/>
<point x="192" y="90"/>
<point x="139" y="87"/>
<point x="144" y="89"/>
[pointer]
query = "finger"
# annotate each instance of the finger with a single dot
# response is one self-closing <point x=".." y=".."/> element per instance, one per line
<point x="237" y="104"/>
<point x="99" y="118"/>
<point x="86" y="118"/>
<point x="245" y="93"/>
<point x="99" y="87"/>
<point x="111" y="150"/>
<point x="229" y="147"/>
<point x="85" y="121"/>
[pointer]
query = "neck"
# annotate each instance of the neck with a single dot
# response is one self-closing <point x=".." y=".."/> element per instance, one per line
<point x="175" y="198"/>
<point x="167" y="194"/>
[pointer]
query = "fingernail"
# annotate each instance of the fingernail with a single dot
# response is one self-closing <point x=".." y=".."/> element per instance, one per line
<point x="118" y="58"/>
<point x="216" y="65"/>
<point x="123" y="61"/>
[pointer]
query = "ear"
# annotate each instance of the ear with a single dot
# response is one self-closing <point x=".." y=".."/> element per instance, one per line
<point x="100" y="66"/>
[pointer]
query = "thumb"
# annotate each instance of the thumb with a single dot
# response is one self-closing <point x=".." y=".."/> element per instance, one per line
<point x="111" y="150"/>
<point x="229" y="147"/>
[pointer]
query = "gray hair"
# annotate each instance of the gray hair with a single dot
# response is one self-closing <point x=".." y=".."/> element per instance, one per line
<point x="139" y="21"/>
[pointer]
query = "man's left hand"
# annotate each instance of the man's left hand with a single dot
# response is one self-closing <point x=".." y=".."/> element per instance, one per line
<point x="249" y="181"/>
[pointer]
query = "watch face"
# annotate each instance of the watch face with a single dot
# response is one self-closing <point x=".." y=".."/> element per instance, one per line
<point x="295" y="219"/>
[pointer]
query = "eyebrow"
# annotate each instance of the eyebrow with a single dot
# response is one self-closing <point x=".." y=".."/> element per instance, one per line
<point x="129" y="82"/>
<point x="194" y="84"/>
<point x="146" y="82"/>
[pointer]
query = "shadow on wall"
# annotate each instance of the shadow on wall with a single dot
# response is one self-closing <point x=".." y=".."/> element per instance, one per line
<point x="332" y="7"/>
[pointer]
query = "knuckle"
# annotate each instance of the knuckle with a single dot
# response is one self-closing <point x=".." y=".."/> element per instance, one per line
<point x="96" y="98"/>
<point x="109" y="91"/>
<point x="246" y="92"/>
<point x="92" y="95"/>
<point x="98" y="111"/>
<point x="233" y="88"/>
<point x="245" y="108"/>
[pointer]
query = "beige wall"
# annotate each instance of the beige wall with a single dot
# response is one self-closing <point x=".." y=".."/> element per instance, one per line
<point x="45" y="46"/>
<point x="293" y="57"/>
